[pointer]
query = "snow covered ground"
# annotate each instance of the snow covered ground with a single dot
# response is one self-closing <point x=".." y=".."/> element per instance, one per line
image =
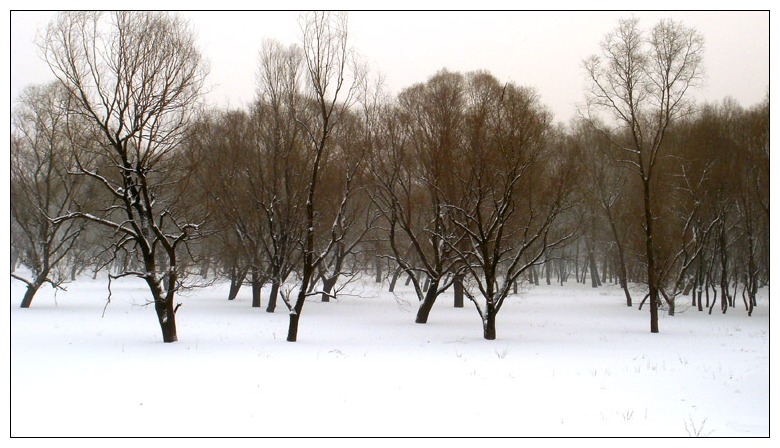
<point x="568" y="361"/>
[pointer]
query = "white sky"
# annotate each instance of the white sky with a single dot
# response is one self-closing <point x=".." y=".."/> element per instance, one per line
<point x="538" y="49"/>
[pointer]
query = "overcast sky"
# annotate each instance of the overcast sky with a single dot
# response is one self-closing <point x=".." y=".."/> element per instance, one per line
<point x="543" y="50"/>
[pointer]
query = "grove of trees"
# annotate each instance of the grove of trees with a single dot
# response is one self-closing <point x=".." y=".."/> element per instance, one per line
<point x="461" y="181"/>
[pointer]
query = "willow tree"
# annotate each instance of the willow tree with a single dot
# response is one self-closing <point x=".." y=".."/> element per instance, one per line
<point x="642" y="81"/>
<point x="136" y="77"/>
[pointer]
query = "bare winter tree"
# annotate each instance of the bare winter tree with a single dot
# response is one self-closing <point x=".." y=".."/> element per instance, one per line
<point x="332" y="82"/>
<point x="642" y="81"/>
<point x="514" y="189"/>
<point x="414" y="166"/>
<point x="41" y="187"/>
<point x="135" y="77"/>
<point x="281" y="148"/>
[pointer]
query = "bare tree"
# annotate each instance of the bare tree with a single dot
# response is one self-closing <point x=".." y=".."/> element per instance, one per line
<point x="642" y="81"/>
<point x="135" y="77"/>
<point x="41" y="187"/>
<point x="414" y="166"/>
<point x="332" y="82"/>
<point x="282" y="149"/>
<point x="514" y="189"/>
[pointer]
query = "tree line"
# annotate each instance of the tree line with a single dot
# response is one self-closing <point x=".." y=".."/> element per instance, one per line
<point x="462" y="181"/>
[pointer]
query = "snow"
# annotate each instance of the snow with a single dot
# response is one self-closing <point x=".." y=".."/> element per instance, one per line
<point x="569" y="361"/>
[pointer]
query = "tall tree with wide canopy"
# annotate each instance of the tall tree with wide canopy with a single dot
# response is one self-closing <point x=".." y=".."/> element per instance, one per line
<point x="136" y="77"/>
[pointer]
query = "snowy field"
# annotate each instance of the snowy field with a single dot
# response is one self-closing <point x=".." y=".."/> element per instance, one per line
<point x="568" y="361"/>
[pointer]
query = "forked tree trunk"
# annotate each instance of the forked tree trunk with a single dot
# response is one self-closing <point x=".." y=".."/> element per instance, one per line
<point x="327" y="287"/>
<point x="236" y="281"/>
<point x="163" y="304"/>
<point x="427" y="303"/>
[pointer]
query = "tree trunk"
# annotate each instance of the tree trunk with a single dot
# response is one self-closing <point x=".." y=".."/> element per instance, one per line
<point x="427" y="303"/>
<point x="292" y="332"/>
<point x="594" y="272"/>
<point x="235" y="286"/>
<point x="378" y="266"/>
<point x="163" y="306"/>
<point x="272" y="297"/>
<point x="714" y="298"/>
<point x="167" y="319"/>
<point x="295" y="312"/>
<point x="724" y="282"/>
<point x="650" y="253"/>
<point x="29" y="294"/>
<point x="577" y="262"/>
<point x="697" y="293"/>
<point x="547" y="266"/>
<point x="584" y="272"/>
<point x="236" y="281"/>
<point x="489" y="324"/>
<point x="257" y="286"/>
<point x="457" y="287"/>
<point x="33" y="287"/>
<point x="396" y="274"/>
